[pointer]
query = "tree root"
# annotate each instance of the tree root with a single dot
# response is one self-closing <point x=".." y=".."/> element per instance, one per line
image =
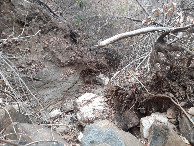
<point x="175" y="102"/>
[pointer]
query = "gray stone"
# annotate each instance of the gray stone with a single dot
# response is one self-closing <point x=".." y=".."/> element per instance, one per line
<point x="9" y="115"/>
<point x="127" y="120"/>
<point x="22" y="141"/>
<point x="55" y="113"/>
<point x="31" y="133"/>
<point x="103" y="133"/>
<point x="187" y="129"/>
<point x="104" y="79"/>
<point x="52" y="87"/>
<point x="68" y="106"/>
<point x="100" y="90"/>
<point x="171" y="114"/>
<point x="161" y="135"/>
<point x="66" y="124"/>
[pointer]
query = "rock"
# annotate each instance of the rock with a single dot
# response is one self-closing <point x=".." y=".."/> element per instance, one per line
<point x="1" y="100"/>
<point x="187" y="129"/>
<point x="35" y="132"/>
<point x="55" y="113"/>
<point x="91" y="107"/>
<point x="61" y="129"/>
<point x="66" y="124"/>
<point x="9" y="115"/>
<point x="97" y="81"/>
<point x="173" y="121"/>
<point x="67" y="106"/>
<point x="99" y="90"/>
<point x="31" y="133"/>
<point x="105" y="133"/>
<point x="146" y="122"/>
<point x="191" y="111"/>
<point x="80" y="136"/>
<point x="127" y="120"/>
<point x="104" y="79"/>
<point x="130" y="118"/>
<point x="171" y="115"/>
<point x="162" y="135"/>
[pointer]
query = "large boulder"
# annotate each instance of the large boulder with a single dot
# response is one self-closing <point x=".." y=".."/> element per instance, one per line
<point x="105" y="133"/>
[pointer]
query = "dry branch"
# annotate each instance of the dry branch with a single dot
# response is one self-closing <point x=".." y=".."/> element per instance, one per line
<point x="19" y="38"/>
<point x="141" y="31"/>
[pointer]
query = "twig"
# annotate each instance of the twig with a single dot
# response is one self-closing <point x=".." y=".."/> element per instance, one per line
<point x="133" y="105"/>
<point x="11" y="97"/>
<point x="10" y="119"/>
<point x="137" y="20"/>
<point x="142" y="7"/>
<point x="140" y="83"/>
<point x="133" y="19"/>
<point x="52" y="137"/>
<point x="18" y="38"/>
<point x="8" y="142"/>
<point x="54" y="124"/>
<point x="124" y="68"/>
<point x="142" y="61"/>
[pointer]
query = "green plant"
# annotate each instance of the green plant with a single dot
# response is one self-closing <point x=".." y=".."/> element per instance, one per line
<point x="80" y="3"/>
<point x="122" y="10"/>
<point x="77" y="21"/>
